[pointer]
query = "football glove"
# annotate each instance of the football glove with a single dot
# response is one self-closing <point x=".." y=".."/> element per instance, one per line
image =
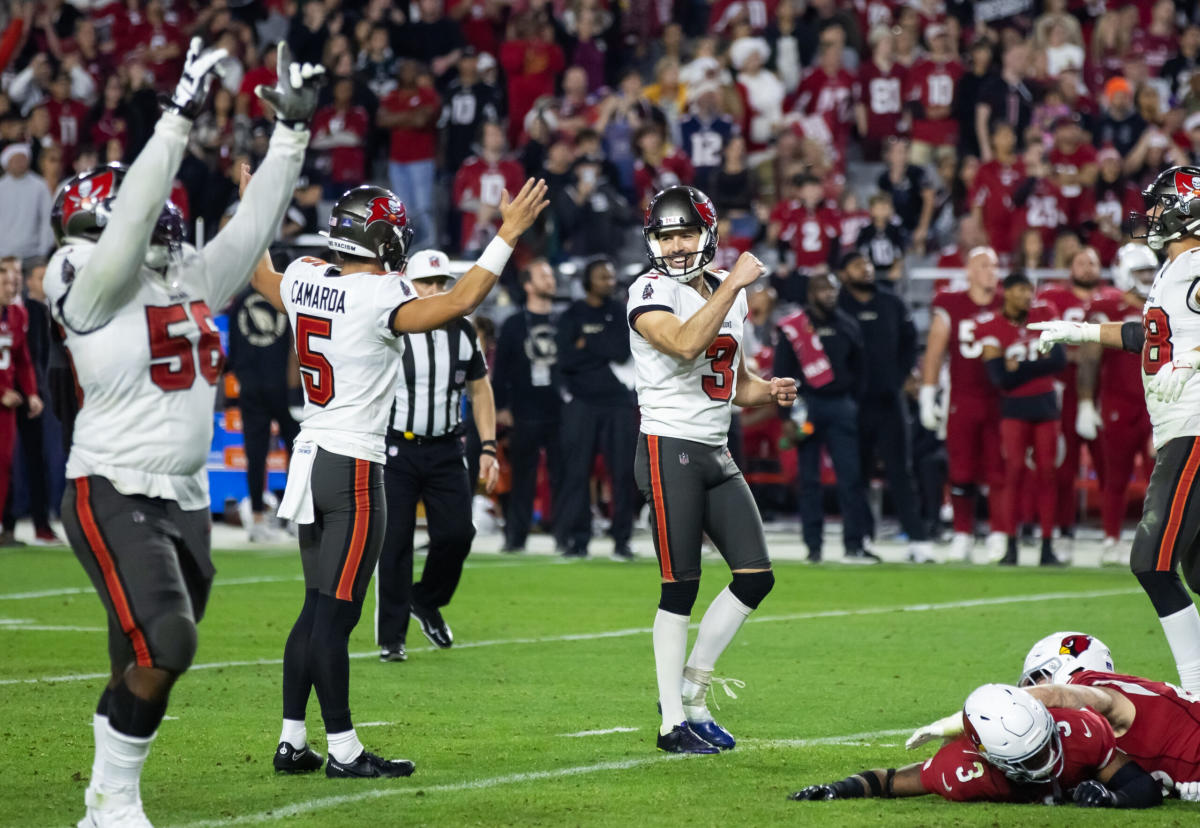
<point x="1188" y="791"/>
<point x="949" y="727"/>
<point x="814" y="793"/>
<point x="294" y="96"/>
<point x="191" y="93"/>
<point x="1093" y="794"/>
<point x="1168" y="383"/>
<point x="930" y="413"/>
<point x="1088" y="420"/>
<point x="1068" y="333"/>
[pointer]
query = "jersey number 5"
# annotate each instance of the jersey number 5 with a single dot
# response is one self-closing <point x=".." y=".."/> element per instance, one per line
<point x="1157" y="350"/>
<point x="172" y="366"/>
<point x="314" y="367"/>
<point x="719" y="384"/>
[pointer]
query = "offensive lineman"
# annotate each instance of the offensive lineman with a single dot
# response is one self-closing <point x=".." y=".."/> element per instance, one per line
<point x="1168" y="536"/>
<point x="134" y="302"/>
<point x="347" y="323"/>
<point x="686" y="326"/>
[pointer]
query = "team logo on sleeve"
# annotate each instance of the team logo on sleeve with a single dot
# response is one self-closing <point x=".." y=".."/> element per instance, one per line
<point x="388" y="210"/>
<point x="647" y="292"/>
<point x="684" y="459"/>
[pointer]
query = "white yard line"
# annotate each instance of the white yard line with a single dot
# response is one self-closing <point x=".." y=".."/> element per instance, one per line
<point x="603" y="732"/>
<point x="800" y="616"/>
<point x="373" y="724"/>
<point x="321" y="803"/>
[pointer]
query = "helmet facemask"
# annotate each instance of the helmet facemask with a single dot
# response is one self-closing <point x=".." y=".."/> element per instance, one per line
<point x="695" y="261"/>
<point x="1040" y="766"/>
<point x="1172" y="208"/>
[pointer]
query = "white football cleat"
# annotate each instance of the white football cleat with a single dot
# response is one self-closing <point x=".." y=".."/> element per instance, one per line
<point x="921" y="552"/>
<point x="113" y="810"/>
<point x="262" y="532"/>
<point x="960" y="548"/>
<point x="996" y="546"/>
<point x="1112" y="551"/>
<point x="1064" y="547"/>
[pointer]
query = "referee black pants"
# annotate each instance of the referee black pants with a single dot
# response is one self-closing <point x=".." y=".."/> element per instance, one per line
<point x="435" y="472"/>
<point x="587" y="430"/>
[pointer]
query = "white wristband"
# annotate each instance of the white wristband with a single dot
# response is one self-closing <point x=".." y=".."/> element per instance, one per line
<point x="495" y="256"/>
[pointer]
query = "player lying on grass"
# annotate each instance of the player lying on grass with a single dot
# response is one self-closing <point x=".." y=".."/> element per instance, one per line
<point x="1013" y="749"/>
<point x="1155" y="723"/>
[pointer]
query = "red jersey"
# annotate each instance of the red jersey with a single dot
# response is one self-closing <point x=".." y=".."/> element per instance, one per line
<point x="1068" y="163"/>
<point x="992" y="193"/>
<point x="67" y="119"/>
<point x="810" y="231"/>
<point x="882" y="93"/>
<point x="932" y="84"/>
<point x="1045" y="210"/>
<point x="828" y="96"/>
<point x="1120" y="371"/>
<point x="968" y="376"/>
<point x="872" y="13"/>
<point x="675" y="168"/>
<point x="1154" y="49"/>
<point x="413" y="143"/>
<point x="155" y="36"/>
<point x="344" y="136"/>
<point x="16" y="367"/>
<point x="477" y="25"/>
<point x="482" y="182"/>
<point x="259" y="75"/>
<point x="758" y="14"/>
<point x="1016" y="341"/>
<point x="959" y="773"/>
<point x="1165" y="735"/>
<point x="852" y="224"/>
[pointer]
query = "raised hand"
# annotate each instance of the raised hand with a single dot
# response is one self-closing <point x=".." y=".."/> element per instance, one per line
<point x="783" y="390"/>
<point x="746" y="271"/>
<point x="191" y="93"/>
<point x="294" y="96"/>
<point x="520" y="213"/>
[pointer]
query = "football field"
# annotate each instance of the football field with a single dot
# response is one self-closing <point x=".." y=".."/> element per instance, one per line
<point x="543" y="713"/>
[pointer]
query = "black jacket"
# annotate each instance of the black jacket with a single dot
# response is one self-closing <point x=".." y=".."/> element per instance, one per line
<point x="889" y="339"/>
<point x="528" y="386"/>
<point x="590" y="339"/>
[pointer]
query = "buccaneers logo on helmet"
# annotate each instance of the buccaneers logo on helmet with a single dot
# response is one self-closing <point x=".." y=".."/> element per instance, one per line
<point x="704" y="209"/>
<point x="387" y="209"/>
<point x="1187" y="184"/>
<point x="87" y="194"/>
<point x="1074" y="645"/>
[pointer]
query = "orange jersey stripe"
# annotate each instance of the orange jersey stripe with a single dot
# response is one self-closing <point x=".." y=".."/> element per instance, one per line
<point x="1178" y="503"/>
<point x="116" y="593"/>
<point x="358" y="536"/>
<point x="660" y="515"/>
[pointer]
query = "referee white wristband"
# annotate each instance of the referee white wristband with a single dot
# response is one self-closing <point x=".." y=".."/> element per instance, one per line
<point x="495" y="256"/>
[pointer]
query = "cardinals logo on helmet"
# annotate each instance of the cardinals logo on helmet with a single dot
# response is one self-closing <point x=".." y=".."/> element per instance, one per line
<point x="87" y="194"/>
<point x="386" y="209"/>
<point x="1074" y="645"/>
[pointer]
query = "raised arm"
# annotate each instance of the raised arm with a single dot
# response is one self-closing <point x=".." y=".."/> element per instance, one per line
<point x="687" y="339"/>
<point x="434" y="311"/>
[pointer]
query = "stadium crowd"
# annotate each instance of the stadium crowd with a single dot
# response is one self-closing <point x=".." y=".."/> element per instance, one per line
<point x="846" y="139"/>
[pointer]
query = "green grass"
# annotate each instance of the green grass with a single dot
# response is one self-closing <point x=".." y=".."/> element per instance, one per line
<point x="834" y="651"/>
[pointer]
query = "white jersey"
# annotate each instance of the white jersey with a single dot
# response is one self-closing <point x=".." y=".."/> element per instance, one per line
<point x="146" y="353"/>
<point x="691" y="399"/>
<point x="349" y="358"/>
<point x="1171" y="318"/>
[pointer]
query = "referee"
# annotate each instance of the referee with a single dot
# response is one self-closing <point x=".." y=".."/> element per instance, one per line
<point x="426" y="461"/>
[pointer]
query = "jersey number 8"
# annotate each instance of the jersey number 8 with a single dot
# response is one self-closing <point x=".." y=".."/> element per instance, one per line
<point x="1157" y="350"/>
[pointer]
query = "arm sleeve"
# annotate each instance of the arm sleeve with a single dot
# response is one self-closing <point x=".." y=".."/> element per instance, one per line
<point x="1134" y="788"/>
<point x="569" y="357"/>
<point x="110" y="277"/>
<point x="1026" y="371"/>
<point x="231" y="256"/>
<point x="1133" y="337"/>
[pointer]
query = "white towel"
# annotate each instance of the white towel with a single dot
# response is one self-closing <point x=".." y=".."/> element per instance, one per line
<point x="297" y="503"/>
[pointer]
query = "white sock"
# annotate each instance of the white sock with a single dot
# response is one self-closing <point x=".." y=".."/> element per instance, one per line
<point x="294" y="733"/>
<point x="99" y="731"/>
<point x="121" y="766"/>
<point x="721" y="621"/>
<point x="344" y="746"/>
<point x="1183" y="636"/>
<point x="670" y="647"/>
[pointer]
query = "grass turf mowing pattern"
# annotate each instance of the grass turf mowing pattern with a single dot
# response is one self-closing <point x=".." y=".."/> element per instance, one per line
<point x="485" y="721"/>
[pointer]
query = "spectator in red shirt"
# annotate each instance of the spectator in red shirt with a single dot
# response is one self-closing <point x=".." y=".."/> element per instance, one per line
<point x="811" y="230"/>
<point x="576" y="109"/>
<point x="1156" y="42"/>
<point x="1038" y="200"/>
<point x="930" y="90"/>
<point x="339" y="131"/>
<point x="532" y="61"/>
<point x="411" y="112"/>
<point x="1107" y="205"/>
<point x="68" y="118"/>
<point x="658" y="166"/>
<point x="827" y="90"/>
<point x="479" y="20"/>
<point x="1073" y="164"/>
<point x="161" y="45"/>
<point x="878" y="94"/>
<point x="992" y="197"/>
<point x="248" y="103"/>
<point x="478" y="186"/>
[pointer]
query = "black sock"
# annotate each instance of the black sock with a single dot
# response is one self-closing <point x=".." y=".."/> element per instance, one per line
<point x="102" y="705"/>
<point x="133" y="716"/>
<point x="297" y="675"/>
<point x="329" y="659"/>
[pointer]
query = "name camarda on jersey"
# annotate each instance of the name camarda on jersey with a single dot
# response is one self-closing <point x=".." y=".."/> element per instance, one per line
<point x="318" y="297"/>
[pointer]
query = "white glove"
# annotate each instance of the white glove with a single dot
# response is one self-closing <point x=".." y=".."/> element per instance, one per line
<point x="948" y="728"/>
<point x="1188" y="791"/>
<point x="930" y="413"/>
<point x="1168" y="383"/>
<point x="1068" y="333"/>
<point x="191" y="93"/>
<point x="294" y="96"/>
<point x="1088" y="420"/>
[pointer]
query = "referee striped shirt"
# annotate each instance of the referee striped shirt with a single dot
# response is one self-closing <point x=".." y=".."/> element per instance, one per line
<point x="437" y="366"/>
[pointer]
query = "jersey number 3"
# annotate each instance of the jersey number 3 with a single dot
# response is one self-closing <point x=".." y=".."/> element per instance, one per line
<point x="719" y="384"/>
<point x="314" y="367"/>
<point x="172" y="366"/>
<point x="1157" y="350"/>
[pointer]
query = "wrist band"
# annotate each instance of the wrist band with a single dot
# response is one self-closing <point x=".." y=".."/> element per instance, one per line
<point x="495" y="256"/>
<point x="485" y="443"/>
<point x="489" y="450"/>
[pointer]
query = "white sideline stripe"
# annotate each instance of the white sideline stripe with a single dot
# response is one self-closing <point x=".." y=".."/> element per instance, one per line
<point x="46" y="628"/>
<point x="373" y="724"/>
<point x="310" y="805"/>
<point x="604" y="732"/>
<point x="800" y="616"/>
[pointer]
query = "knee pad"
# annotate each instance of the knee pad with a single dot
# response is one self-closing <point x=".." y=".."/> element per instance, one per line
<point x="679" y="597"/>
<point x="172" y="640"/>
<point x="1165" y="591"/>
<point x="752" y="587"/>
<point x="963" y="489"/>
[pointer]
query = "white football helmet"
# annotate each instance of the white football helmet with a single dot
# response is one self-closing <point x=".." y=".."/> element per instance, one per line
<point x="1053" y="659"/>
<point x="1014" y="732"/>
<point x="1135" y="268"/>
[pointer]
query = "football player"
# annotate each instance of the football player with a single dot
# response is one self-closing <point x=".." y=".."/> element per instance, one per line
<point x="686" y="325"/>
<point x="347" y="319"/>
<point x="970" y="414"/>
<point x="134" y="303"/>
<point x="1168" y="536"/>
<point x="1028" y="406"/>
<point x="1013" y="749"/>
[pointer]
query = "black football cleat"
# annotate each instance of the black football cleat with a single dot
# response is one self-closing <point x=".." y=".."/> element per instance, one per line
<point x="682" y="739"/>
<point x="297" y="760"/>
<point x="393" y="652"/>
<point x="714" y="734"/>
<point x="433" y="626"/>
<point x="369" y="766"/>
